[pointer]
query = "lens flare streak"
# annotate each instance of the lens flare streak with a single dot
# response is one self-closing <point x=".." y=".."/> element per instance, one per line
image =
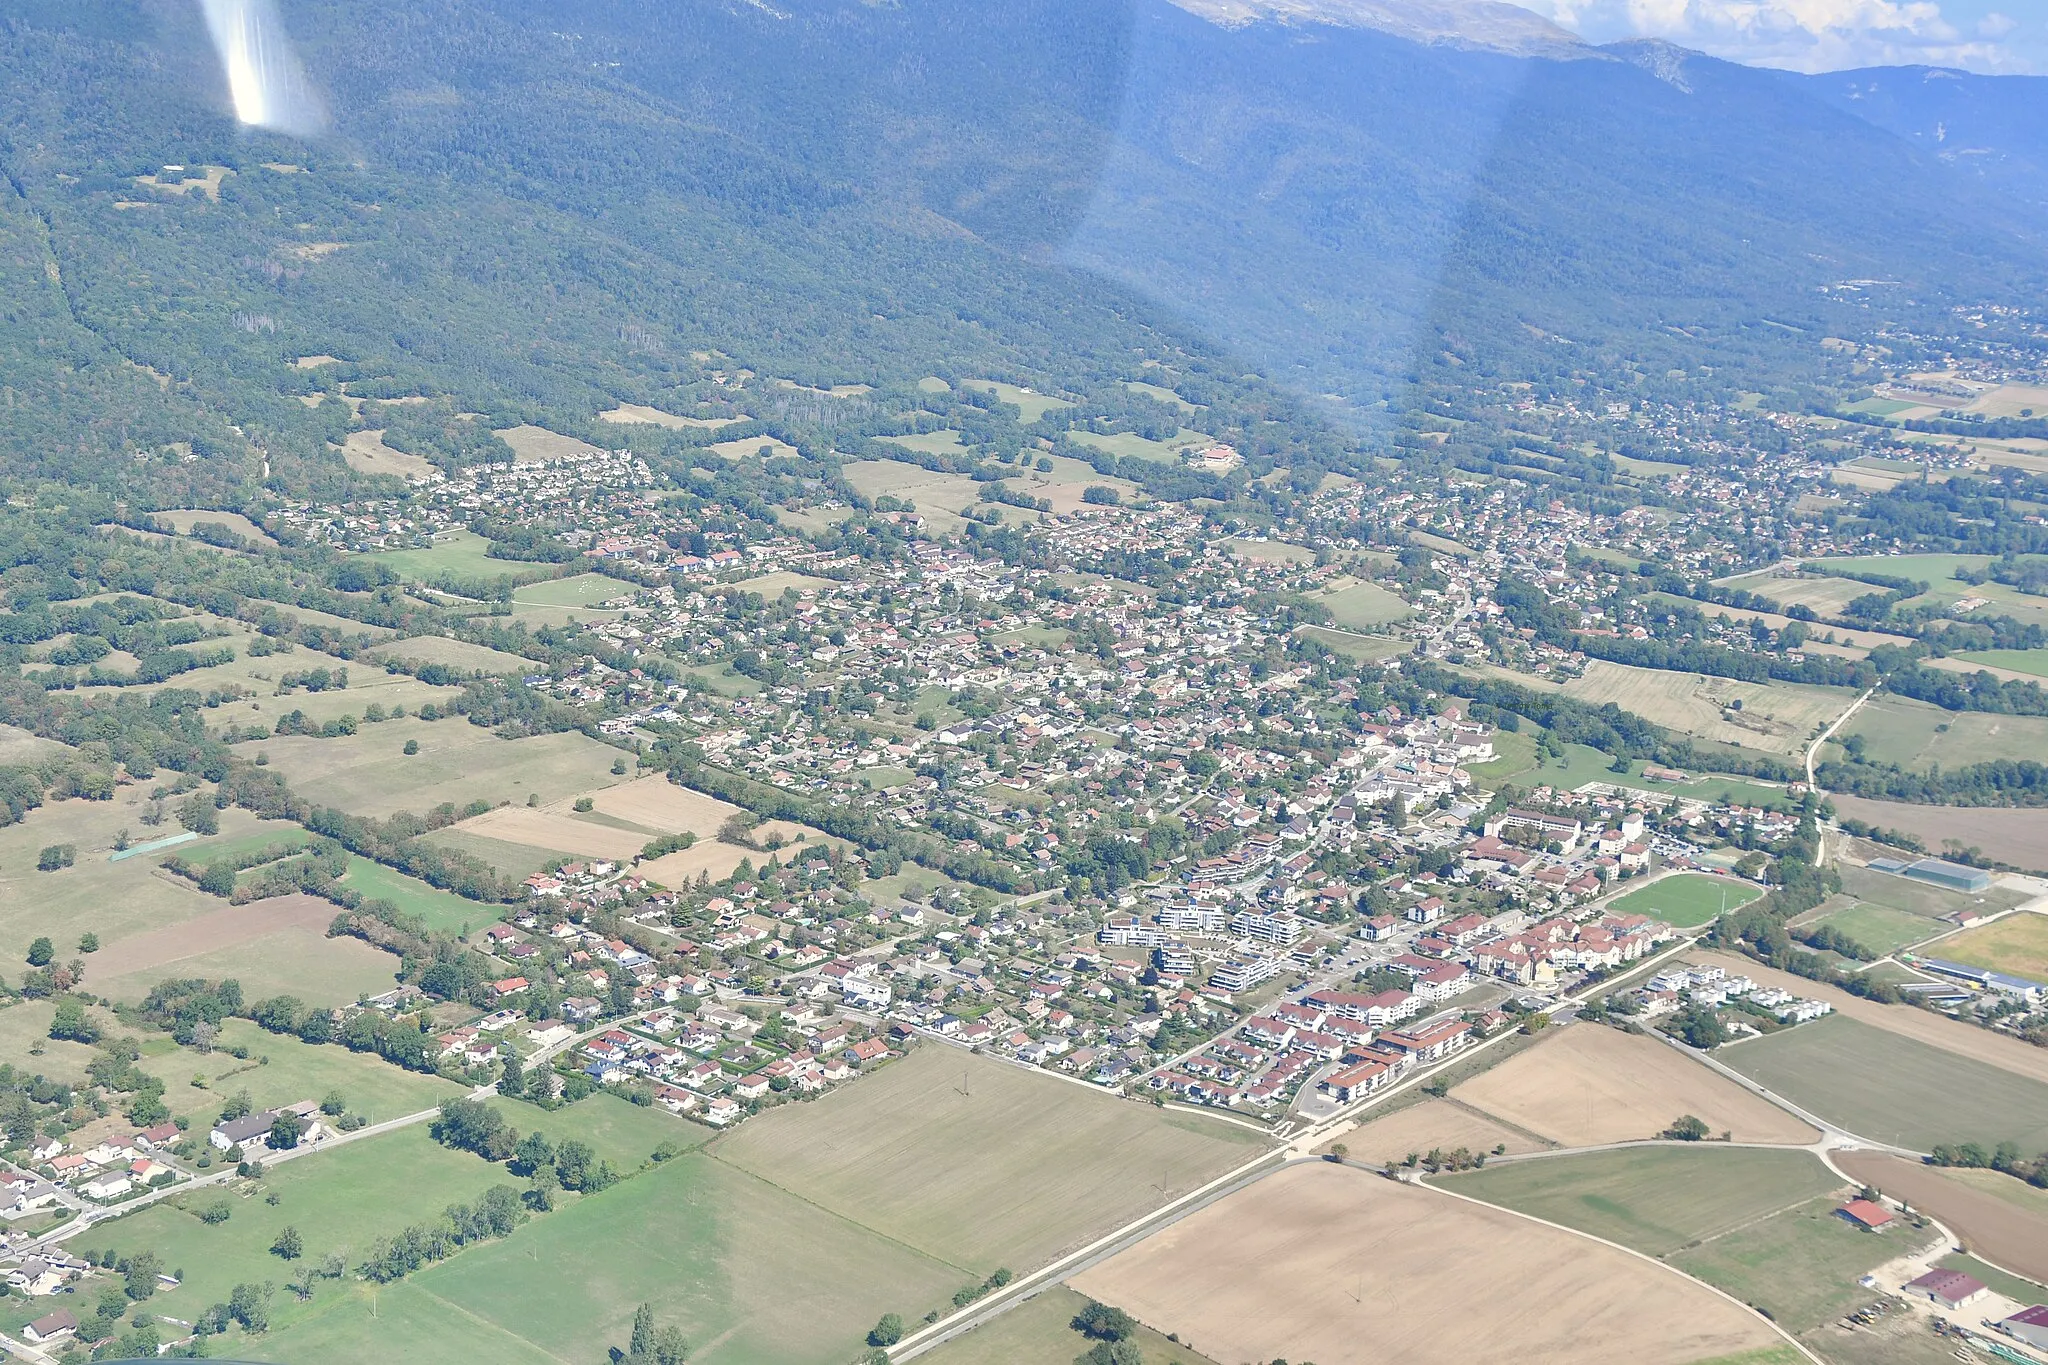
<point x="265" y="79"/>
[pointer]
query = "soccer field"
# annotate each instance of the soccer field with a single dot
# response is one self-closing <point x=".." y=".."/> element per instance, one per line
<point x="1687" y="900"/>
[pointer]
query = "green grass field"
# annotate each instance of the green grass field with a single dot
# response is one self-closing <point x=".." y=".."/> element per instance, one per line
<point x="369" y="773"/>
<point x="440" y="909"/>
<point x="340" y="1201"/>
<point x="460" y="553"/>
<point x="1030" y="404"/>
<point x="513" y="860"/>
<point x="2000" y="1282"/>
<point x="748" y="1273"/>
<point x="1916" y="735"/>
<point x="282" y="1070"/>
<point x="1367" y="647"/>
<point x="1131" y="445"/>
<point x="946" y="442"/>
<point x="1517" y="764"/>
<point x="1688" y="900"/>
<point x="1040" y="1332"/>
<point x="1880" y="928"/>
<point x="1896" y="1089"/>
<point x="1654" y="1199"/>
<point x="580" y="590"/>
<point x="2034" y="661"/>
<point x="1918" y="898"/>
<point x="1800" y="1266"/>
<point x="439" y="649"/>
<point x="1357" y="605"/>
<point x="983" y="1164"/>
<point x="2017" y="944"/>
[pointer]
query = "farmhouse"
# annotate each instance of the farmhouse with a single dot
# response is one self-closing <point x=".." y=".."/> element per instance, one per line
<point x="51" y="1326"/>
<point x="251" y="1130"/>
<point x="1866" y="1214"/>
<point x="2029" y="1325"/>
<point x="1950" y="1288"/>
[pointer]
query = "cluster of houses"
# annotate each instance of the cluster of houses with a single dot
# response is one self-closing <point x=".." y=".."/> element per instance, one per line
<point x="714" y="1066"/>
<point x="110" y="1170"/>
<point x="1712" y="988"/>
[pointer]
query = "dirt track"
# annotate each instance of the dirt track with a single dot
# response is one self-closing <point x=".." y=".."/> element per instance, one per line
<point x="1997" y="1216"/>
<point x="1331" y="1264"/>
<point x="1590" y="1084"/>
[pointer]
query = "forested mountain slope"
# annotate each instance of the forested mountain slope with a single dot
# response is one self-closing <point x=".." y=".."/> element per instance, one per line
<point x="540" y="208"/>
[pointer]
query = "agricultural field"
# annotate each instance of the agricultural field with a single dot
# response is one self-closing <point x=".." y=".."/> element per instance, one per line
<point x="1268" y="551"/>
<point x="1516" y="762"/>
<point x="1031" y="404"/>
<point x="183" y="519"/>
<point x="2004" y="1218"/>
<point x="439" y="649"/>
<point x="114" y="900"/>
<point x="1355" y="604"/>
<point x="1315" y="1259"/>
<point x="1893" y="1088"/>
<point x="1687" y="900"/>
<point x="1801" y="1265"/>
<point x="1434" y="1124"/>
<point x="1917" y="897"/>
<point x="461" y="554"/>
<point x="1064" y="484"/>
<point x="2011" y="834"/>
<point x="369" y="773"/>
<point x="1163" y="394"/>
<point x="1824" y="596"/>
<point x="1999" y="1051"/>
<point x="555" y="830"/>
<point x="980" y="1163"/>
<point x="531" y="444"/>
<point x="1590" y="1084"/>
<point x="939" y="498"/>
<point x="774" y="585"/>
<point x="366" y="453"/>
<point x="1656" y="1200"/>
<point x="1367" y="647"/>
<point x="747" y="1272"/>
<point x="2016" y="945"/>
<point x="746" y="447"/>
<point x="1917" y="735"/>
<point x="1775" y="718"/>
<point x="2030" y="661"/>
<point x="518" y="861"/>
<point x="639" y="414"/>
<point x="578" y="590"/>
<point x="946" y="442"/>
<point x="1130" y="445"/>
<point x="441" y="910"/>
<point x="1040" y="1331"/>
<point x="277" y="946"/>
<point x="282" y="1070"/>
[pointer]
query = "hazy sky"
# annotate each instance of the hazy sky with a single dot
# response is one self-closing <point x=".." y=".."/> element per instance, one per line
<point x="1828" y="35"/>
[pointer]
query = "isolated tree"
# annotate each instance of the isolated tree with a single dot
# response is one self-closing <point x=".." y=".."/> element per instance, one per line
<point x="1104" y="1323"/>
<point x="289" y="1244"/>
<point x="41" y="953"/>
<point x="1687" y="1128"/>
<point x="887" y="1332"/>
<point x="88" y="943"/>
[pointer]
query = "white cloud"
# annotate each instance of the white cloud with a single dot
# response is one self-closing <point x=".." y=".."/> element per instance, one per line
<point x="1804" y="35"/>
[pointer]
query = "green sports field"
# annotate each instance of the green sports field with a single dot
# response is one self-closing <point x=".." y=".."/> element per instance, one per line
<point x="1880" y="928"/>
<point x="1688" y="900"/>
<point x="1893" y="1088"/>
<point x="1654" y="1199"/>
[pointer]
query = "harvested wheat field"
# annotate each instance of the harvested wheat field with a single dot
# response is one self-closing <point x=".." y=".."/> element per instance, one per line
<point x="550" y="829"/>
<point x="274" y="946"/>
<point x="2002" y="1219"/>
<point x="657" y="804"/>
<point x="1433" y="1124"/>
<point x="717" y="860"/>
<point x="1590" y="1084"/>
<point x="1331" y="1264"/>
<point x="1950" y="1035"/>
